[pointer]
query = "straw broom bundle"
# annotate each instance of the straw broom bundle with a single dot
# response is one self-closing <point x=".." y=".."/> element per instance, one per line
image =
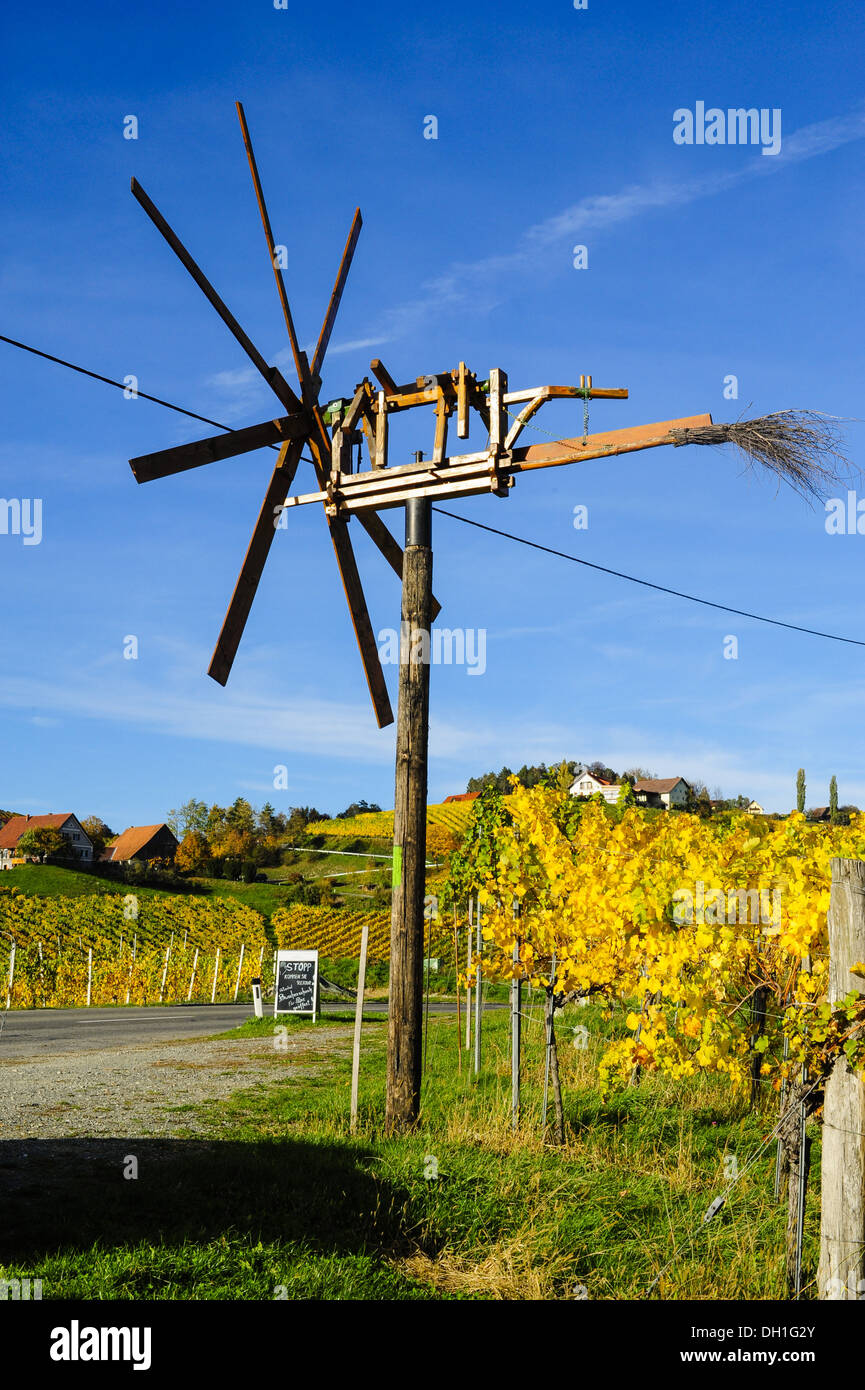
<point x="801" y="447"/>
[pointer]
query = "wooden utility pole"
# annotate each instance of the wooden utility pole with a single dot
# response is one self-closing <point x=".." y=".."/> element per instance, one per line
<point x="405" y="1013"/>
<point x="841" y="1273"/>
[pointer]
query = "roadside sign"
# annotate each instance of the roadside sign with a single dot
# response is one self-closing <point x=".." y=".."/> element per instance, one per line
<point x="296" y="983"/>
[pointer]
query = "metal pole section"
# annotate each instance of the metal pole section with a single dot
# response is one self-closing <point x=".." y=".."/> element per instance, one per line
<point x="516" y="1004"/>
<point x="478" y="986"/>
<point x="800" y="1195"/>
<point x="405" y="1011"/>
<point x="358" y="1022"/>
<point x="550" y="1001"/>
<point x="468" y="978"/>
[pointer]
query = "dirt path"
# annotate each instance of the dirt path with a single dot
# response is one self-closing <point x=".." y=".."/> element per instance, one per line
<point x="150" y="1089"/>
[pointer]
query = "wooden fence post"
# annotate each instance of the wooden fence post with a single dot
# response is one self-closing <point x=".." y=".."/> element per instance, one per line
<point x="841" y="1272"/>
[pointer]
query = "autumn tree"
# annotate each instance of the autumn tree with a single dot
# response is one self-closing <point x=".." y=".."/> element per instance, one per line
<point x="98" y="833"/>
<point x="193" y="853"/>
<point x="44" y="841"/>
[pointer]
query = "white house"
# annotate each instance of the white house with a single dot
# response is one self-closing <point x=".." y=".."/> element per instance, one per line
<point x="80" y="847"/>
<point x="662" y="791"/>
<point x="754" y="809"/>
<point x="587" y="784"/>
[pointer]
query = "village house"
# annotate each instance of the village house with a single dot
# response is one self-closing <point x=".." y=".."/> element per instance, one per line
<point x="80" y="846"/>
<point x="587" y="784"/>
<point x="665" y="792"/>
<point x="142" y="842"/>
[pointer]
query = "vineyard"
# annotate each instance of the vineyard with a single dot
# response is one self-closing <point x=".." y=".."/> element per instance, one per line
<point x="61" y="952"/>
<point x="711" y="938"/>
<point x="107" y="949"/>
<point x="335" y="932"/>
<point x="378" y="825"/>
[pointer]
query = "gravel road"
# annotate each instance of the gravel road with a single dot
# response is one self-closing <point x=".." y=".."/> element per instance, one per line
<point x="148" y="1089"/>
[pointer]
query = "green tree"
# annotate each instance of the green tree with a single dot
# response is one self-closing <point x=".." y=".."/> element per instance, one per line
<point x="241" y="817"/>
<point x="191" y="815"/>
<point x="800" y="791"/>
<point x="833" y="801"/>
<point x="357" y="808"/>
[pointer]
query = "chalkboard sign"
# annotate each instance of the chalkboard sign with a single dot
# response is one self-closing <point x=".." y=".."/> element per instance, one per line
<point x="296" y="983"/>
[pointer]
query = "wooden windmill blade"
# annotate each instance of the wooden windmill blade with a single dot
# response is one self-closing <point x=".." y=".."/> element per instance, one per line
<point x="250" y="575"/>
<point x="336" y="295"/>
<point x="320" y="445"/>
<point x="166" y="462"/>
<point x="301" y="366"/>
<point x="272" y="375"/>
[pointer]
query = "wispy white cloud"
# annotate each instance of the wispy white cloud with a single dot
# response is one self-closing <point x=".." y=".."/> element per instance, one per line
<point x="465" y="280"/>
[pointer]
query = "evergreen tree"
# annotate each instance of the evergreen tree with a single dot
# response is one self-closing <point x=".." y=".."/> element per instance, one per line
<point x="800" y="791"/>
<point x="833" y="801"/>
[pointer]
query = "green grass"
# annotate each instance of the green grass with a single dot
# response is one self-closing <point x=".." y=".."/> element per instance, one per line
<point x="281" y="1200"/>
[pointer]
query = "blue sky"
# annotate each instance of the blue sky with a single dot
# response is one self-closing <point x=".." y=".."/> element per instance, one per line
<point x="555" y="127"/>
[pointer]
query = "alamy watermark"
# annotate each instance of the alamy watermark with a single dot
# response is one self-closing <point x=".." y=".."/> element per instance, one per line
<point x="717" y="905"/>
<point x="845" y="518"/>
<point x="735" y="126"/>
<point x="443" y="646"/>
<point x="22" y="516"/>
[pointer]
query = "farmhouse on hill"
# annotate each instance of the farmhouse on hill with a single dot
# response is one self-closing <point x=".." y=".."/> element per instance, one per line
<point x="662" y="791"/>
<point x="460" y="796"/>
<point x="142" y="842"/>
<point x="586" y="783"/>
<point x="80" y="846"/>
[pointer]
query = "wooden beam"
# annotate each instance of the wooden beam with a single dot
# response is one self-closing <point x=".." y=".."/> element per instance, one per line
<point x="443" y="410"/>
<point x="336" y="295"/>
<point x="525" y="415"/>
<point x="601" y="445"/>
<point x="619" y="393"/>
<point x="359" y="491"/>
<point x="272" y="375"/>
<point x="166" y="462"/>
<point x="359" y="402"/>
<point x="253" y="564"/>
<point x="463" y="402"/>
<point x="498" y="411"/>
<point x="383" y="376"/>
<point x="381" y="433"/>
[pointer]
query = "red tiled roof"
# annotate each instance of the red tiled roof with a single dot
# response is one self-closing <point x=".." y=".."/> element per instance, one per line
<point x="461" y="796"/>
<point x="127" y="845"/>
<point x="657" y="784"/>
<point x="15" y="828"/>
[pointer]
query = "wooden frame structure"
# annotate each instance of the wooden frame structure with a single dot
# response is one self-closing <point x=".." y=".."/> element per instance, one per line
<point x="335" y="433"/>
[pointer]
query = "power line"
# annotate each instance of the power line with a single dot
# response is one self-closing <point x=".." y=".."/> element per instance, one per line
<point x="119" y="384"/>
<point x="647" y="583"/>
